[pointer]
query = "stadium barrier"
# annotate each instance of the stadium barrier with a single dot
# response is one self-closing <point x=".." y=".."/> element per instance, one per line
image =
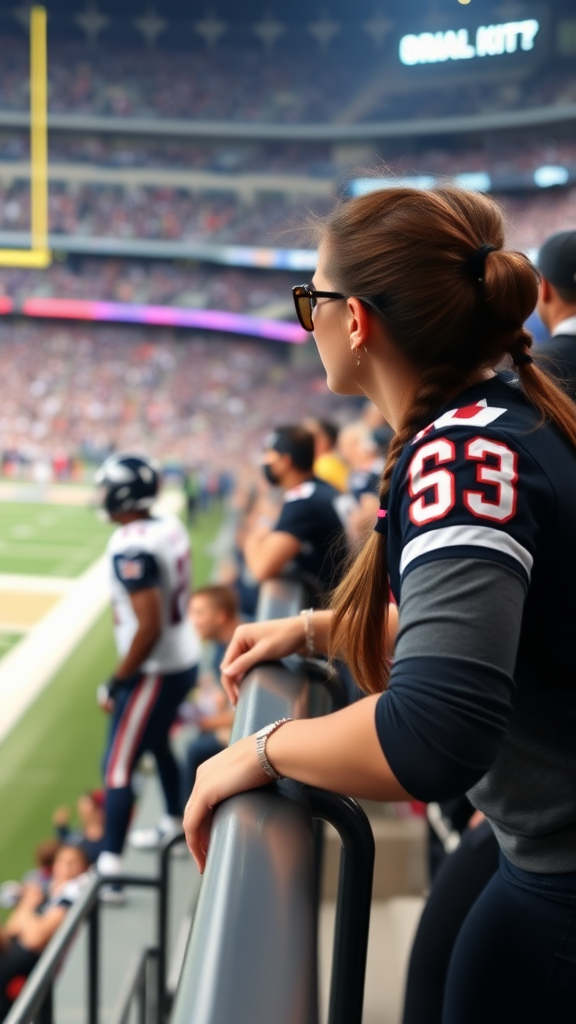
<point x="35" y="1002"/>
<point x="252" y="953"/>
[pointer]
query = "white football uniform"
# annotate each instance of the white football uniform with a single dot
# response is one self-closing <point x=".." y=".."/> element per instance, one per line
<point x="146" y="553"/>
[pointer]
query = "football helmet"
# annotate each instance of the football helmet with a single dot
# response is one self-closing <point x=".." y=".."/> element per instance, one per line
<point x="128" y="482"/>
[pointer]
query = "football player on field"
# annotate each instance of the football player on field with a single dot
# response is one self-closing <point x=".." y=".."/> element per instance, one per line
<point x="149" y="557"/>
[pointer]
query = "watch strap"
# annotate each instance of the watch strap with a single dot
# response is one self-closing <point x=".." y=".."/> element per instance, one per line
<point x="261" y="738"/>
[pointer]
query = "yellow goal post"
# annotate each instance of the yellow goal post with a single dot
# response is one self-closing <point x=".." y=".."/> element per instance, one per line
<point x="38" y="255"/>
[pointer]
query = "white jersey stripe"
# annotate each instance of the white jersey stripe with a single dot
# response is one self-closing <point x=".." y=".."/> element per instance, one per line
<point x="466" y="536"/>
<point x="130" y="731"/>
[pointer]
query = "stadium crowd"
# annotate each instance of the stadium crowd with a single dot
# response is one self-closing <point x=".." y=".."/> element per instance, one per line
<point x="177" y="153"/>
<point x="157" y="213"/>
<point x="224" y="218"/>
<point x="134" y="82"/>
<point x="488" y="151"/>
<point x="86" y="391"/>
<point x="158" y="282"/>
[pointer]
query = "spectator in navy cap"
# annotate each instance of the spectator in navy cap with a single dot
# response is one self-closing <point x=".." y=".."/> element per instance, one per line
<point x="557" y="302"/>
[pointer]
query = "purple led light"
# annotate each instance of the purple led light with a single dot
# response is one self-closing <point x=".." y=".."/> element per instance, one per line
<point x="207" y="319"/>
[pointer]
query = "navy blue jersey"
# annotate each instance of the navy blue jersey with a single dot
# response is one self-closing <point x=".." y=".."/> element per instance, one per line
<point x="315" y="513"/>
<point x="482" y="559"/>
<point x="487" y="480"/>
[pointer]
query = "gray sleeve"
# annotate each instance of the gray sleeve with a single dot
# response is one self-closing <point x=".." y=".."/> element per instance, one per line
<point x="462" y="608"/>
<point x="448" y="705"/>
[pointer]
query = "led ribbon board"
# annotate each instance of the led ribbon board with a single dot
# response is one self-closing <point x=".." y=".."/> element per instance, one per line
<point x="460" y="44"/>
<point x="165" y="316"/>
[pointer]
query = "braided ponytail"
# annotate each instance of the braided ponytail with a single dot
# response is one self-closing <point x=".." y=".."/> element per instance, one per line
<point x="454" y="303"/>
<point x="358" y="629"/>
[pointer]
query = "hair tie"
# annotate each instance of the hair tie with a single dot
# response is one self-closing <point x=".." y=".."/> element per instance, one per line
<point x="475" y="263"/>
<point x="382" y="522"/>
<point x="520" y="357"/>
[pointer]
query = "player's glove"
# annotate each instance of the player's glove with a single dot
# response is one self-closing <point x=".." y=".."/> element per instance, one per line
<point x="106" y="693"/>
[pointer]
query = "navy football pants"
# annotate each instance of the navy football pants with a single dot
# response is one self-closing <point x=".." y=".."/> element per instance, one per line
<point x="144" y="709"/>
<point x="513" y="950"/>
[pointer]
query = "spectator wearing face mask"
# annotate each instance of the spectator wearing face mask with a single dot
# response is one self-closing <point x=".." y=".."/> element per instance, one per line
<point x="309" y="534"/>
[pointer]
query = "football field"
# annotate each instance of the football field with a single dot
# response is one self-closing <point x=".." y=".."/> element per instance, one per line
<point x="53" y="752"/>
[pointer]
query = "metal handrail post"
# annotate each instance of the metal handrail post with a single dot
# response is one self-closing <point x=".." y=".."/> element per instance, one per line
<point x="93" y="963"/>
<point x="353" y="907"/>
<point x="30" y="1000"/>
<point x="46" y="1012"/>
<point x="162" y="937"/>
<point x="252" y="950"/>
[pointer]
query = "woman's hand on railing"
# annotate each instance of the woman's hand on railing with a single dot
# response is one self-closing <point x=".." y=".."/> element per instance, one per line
<point x="260" y="641"/>
<point x="234" y="770"/>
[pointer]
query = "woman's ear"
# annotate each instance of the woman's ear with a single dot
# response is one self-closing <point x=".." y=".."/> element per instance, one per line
<point x="360" y="322"/>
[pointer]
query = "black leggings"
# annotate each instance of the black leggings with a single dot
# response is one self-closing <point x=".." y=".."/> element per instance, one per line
<point x="495" y="945"/>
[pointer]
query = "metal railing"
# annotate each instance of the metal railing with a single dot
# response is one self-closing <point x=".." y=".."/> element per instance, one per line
<point x="252" y="953"/>
<point x="36" y="999"/>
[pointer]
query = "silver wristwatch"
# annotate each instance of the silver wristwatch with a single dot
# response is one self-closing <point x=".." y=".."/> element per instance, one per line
<point x="261" y="737"/>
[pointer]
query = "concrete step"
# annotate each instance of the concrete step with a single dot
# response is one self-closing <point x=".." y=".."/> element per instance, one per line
<point x="400" y="867"/>
<point x="393" y="923"/>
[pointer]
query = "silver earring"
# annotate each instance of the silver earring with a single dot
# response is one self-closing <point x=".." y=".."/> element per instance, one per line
<point x="354" y="352"/>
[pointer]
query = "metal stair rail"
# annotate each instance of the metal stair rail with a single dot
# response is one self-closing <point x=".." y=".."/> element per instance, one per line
<point x="252" y="953"/>
<point x="149" y="987"/>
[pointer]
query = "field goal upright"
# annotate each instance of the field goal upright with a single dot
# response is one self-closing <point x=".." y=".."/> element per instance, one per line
<point x="38" y="255"/>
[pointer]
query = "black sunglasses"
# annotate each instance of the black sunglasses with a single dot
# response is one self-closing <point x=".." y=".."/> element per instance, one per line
<point x="305" y="297"/>
<point x="305" y="300"/>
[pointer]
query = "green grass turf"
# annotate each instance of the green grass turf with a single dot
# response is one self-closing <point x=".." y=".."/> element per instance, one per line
<point x="53" y="754"/>
<point x="7" y="640"/>
<point x="50" y="540"/>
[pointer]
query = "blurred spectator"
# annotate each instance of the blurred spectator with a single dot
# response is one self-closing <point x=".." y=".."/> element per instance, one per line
<point x="41" y="874"/>
<point x="90" y="835"/>
<point x="214" y="615"/>
<point x="557" y="304"/>
<point x="308" y="535"/>
<point x="192" y="494"/>
<point x="328" y="465"/>
<point x="34" y="921"/>
<point x="360" y="452"/>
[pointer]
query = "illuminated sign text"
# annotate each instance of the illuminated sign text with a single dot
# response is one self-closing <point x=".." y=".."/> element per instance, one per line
<point x="490" y="41"/>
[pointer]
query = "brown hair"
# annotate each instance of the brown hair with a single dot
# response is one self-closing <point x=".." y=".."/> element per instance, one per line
<point x="568" y="295"/>
<point x="223" y="598"/>
<point x="412" y="254"/>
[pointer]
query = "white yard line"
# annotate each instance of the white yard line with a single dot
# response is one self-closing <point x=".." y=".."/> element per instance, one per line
<point x="30" y="665"/>
<point x="35" y="584"/>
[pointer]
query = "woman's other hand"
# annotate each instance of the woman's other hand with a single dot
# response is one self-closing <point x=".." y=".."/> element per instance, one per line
<point x="234" y="770"/>
<point x="259" y="641"/>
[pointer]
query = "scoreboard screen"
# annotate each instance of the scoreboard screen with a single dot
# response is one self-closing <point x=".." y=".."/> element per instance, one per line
<point x="470" y="42"/>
